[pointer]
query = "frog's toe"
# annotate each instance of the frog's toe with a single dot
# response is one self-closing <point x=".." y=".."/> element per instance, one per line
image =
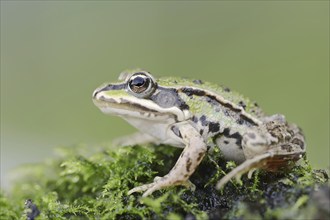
<point x="152" y="189"/>
<point x="140" y="188"/>
<point x="161" y="183"/>
<point x="226" y="179"/>
<point x="250" y="173"/>
<point x="148" y="189"/>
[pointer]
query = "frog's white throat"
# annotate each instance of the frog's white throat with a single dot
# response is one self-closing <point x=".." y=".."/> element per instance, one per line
<point x="146" y="116"/>
<point x="160" y="130"/>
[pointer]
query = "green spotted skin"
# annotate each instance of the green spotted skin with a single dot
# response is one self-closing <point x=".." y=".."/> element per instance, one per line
<point x="227" y="94"/>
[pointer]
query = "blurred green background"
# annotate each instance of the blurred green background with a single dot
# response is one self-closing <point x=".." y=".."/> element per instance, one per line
<point x="55" y="53"/>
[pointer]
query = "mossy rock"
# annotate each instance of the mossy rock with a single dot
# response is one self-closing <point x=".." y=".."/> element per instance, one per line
<point x="92" y="183"/>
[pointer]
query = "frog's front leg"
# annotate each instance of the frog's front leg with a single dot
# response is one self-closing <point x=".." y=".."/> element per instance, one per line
<point x="190" y="158"/>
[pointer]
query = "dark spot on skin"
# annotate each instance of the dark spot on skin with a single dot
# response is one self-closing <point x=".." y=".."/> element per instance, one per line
<point x="203" y="120"/>
<point x="291" y="132"/>
<point x="200" y="156"/>
<point x="226" y="132"/>
<point x="226" y="142"/>
<point x="184" y="106"/>
<point x="194" y="119"/>
<point x="287" y="137"/>
<point x="299" y="142"/>
<point x="208" y="99"/>
<point x="235" y="135"/>
<point x="176" y="131"/>
<point x="186" y="175"/>
<point x="226" y="89"/>
<point x="287" y="147"/>
<point x="241" y="103"/>
<point x="198" y="81"/>
<point x="201" y="132"/>
<point x="226" y="112"/>
<point x="240" y="121"/>
<point x="188" y="165"/>
<point x="214" y="127"/>
<point x="215" y="104"/>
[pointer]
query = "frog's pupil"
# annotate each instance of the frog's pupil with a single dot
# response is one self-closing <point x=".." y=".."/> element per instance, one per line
<point x="138" y="81"/>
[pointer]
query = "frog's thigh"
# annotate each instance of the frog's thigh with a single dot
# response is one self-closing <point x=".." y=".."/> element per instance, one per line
<point x="189" y="159"/>
<point x="254" y="143"/>
<point x="255" y="147"/>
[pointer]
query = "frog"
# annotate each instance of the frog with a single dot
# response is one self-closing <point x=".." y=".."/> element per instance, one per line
<point x="199" y="116"/>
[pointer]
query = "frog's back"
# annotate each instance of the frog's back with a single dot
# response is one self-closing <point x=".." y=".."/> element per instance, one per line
<point x="223" y="93"/>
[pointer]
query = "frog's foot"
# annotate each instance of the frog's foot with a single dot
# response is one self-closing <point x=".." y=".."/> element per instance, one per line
<point x="249" y="165"/>
<point x="160" y="183"/>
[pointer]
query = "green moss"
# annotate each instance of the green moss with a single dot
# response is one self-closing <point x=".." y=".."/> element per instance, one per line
<point x="8" y="210"/>
<point x="92" y="183"/>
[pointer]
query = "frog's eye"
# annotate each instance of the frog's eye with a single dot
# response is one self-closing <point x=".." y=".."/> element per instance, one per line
<point x="141" y="85"/>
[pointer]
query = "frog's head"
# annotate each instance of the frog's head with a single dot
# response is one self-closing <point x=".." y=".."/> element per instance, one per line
<point x="139" y="96"/>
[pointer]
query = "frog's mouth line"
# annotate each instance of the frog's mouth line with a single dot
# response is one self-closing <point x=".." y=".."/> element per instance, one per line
<point x="125" y="107"/>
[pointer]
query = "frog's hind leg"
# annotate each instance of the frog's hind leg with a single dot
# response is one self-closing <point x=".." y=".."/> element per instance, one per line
<point x="249" y="165"/>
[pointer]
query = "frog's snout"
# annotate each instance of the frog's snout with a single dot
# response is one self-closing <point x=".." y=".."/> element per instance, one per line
<point x="104" y="87"/>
